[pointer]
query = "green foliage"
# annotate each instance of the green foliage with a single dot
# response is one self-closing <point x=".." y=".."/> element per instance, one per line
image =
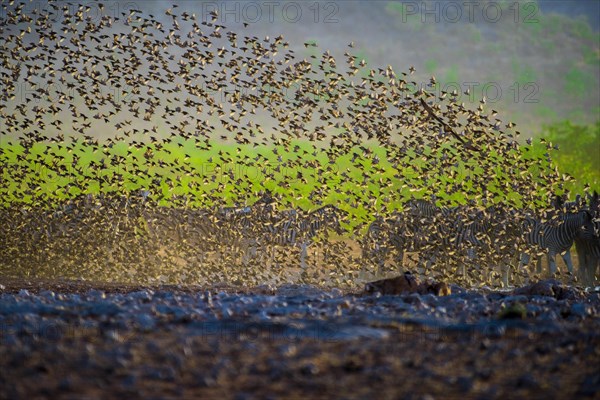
<point x="430" y="66"/>
<point x="476" y="35"/>
<point x="452" y="74"/>
<point x="545" y="112"/>
<point x="591" y="57"/>
<point x="560" y="53"/>
<point x="523" y="73"/>
<point x="363" y="181"/>
<point x="581" y="28"/>
<point x="577" y="82"/>
<point x="579" y="153"/>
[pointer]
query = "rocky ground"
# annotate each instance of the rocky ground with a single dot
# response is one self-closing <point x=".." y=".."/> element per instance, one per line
<point x="81" y="340"/>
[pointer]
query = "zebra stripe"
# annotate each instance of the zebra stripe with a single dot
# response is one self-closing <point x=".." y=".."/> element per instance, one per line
<point x="557" y="238"/>
<point x="587" y="244"/>
<point x="234" y="230"/>
<point x="383" y="236"/>
<point x="425" y="209"/>
<point x="291" y="228"/>
<point x="375" y="243"/>
<point x="441" y="232"/>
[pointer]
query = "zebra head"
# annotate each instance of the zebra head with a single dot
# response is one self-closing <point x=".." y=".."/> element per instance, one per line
<point x="582" y="220"/>
<point x="594" y="204"/>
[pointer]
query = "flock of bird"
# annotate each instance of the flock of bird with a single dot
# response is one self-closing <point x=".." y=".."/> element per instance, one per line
<point x="86" y="92"/>
<point x="489" y="244"/>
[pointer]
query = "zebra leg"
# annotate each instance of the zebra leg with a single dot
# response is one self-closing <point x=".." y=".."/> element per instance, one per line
<point x="505" y="269"/>
<point x="551" y="262"/>
<point x="303" y="254"/>
<point x="272" y="251"/>
<point x="589" y="264"/>
<point x="400" y="259"/>
<point x="463" y="270"/>
<point x="538" y="264"/>
<point x="586" y="269"/>
<point x="524" y="260"/>
<point x="567" y="259"/>
<point x="380" y="257"/>
<point x="472" y="256"/>
<point x="582" y="265"/>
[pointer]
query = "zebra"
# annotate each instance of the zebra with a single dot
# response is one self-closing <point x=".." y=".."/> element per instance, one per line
<point x="239" y="227"/>
<point x="383" y="236"/>
<point x="555" y="238"/>
<point x="233" y="227"/>
<point x="374" y="245"/>
<point x="422" y="208"/>
<point x="446" y="232"/>
<point x="293" y="228"/>
<point x="423" y="222"/>
<point x="280" y="230"/>
<point x="587" y="244"/>
<point x="506" y="239"/>
<point x="323" y="219"/>
<point x="469" y="232"/>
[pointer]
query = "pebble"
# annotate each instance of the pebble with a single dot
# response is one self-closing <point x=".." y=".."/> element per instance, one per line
<point x="464" y="383"/>
<point x="309" y="369"/>
<point x="303" y="310"/>
<point x="102" y="308"/>
<point x="527" y="381"/>
<point x="146" y="322"/>
<point x="516" y="299"/>
<point x="581" y="310"/>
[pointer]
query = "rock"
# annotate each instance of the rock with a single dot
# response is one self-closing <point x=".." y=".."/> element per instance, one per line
<point x="457" y="289"/>
<point x="207" y="297"/>
<point x="550" y="288"/>
<point x="527" y="381"/>
<point x="580" y="310"/>
<point x="516" y="299"/>
<point x="590" y="386"/>
<point x="145" y="322"/>
<point x="292" y="290"/>
<point x="265" y="289"/>
<point x="436" y="288"/>
<point x="309" y="369"/>
<point x="406" y="283"/>
<point x="143" y="296"/>
<point x="414" y="299"/>
<point x="96" y="294"/>
<point x="65" y="384"/>
<point x="514" y="311"/>
<point x="48" y="294"/>
<point x="464" y="383"/>
<point x="484" y="374"/>
<point x="533" y="309"/>
<point x="102" y="308"/>
<point x="166" y="373"/>
<point x="129" y="382"/>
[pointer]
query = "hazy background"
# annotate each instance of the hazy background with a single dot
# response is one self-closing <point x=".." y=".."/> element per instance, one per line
<point x="538" y="61"/>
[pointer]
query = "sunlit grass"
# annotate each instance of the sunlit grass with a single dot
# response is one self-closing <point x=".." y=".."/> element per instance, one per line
<point x="361" y="181"/>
